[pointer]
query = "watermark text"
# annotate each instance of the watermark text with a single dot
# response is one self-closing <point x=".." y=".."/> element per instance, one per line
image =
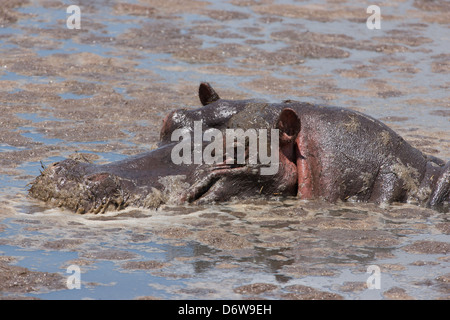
<point x="251" y="140"/>
<point x="74" y="280"/>
<point x="374" y="20"/>
<point x="74" y="20"/>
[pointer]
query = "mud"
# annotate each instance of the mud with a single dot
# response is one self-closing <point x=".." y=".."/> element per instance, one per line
<point x="100" y="93"/>
<point x="286" y="249"/>
<point x="19" y="281"/>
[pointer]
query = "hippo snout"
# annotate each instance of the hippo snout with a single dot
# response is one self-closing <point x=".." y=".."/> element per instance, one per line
<point x="73" y="185"/>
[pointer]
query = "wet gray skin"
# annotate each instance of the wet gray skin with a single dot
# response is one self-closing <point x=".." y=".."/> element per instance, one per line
<point x="324" y="152"/>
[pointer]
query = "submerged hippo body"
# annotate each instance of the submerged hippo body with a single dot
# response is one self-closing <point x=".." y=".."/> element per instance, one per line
<point x="324" y="152"/>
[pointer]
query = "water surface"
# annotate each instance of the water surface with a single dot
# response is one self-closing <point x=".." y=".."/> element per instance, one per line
<point x="102" y="91"/>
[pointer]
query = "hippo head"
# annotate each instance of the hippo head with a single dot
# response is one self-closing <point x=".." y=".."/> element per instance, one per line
<point x="221" y="151"/>
<point x="244" y="148"/>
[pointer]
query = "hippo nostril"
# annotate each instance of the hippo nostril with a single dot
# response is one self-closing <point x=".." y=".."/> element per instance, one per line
<point x="56" y="168"/>
<point x="98" y="177"/>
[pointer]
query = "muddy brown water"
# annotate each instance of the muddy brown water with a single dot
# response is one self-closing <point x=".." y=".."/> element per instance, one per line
<point x="101" y="92"/>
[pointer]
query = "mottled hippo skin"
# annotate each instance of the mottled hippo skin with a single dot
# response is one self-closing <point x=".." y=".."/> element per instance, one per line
<point x="324" y="153"/>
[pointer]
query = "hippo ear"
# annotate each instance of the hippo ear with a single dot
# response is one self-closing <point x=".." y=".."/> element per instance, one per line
<point x="207" y="94"/>
<point x="289" y="125"/>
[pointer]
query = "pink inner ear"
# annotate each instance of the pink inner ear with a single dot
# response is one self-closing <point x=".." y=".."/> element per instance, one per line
<point x="289" y="125"/>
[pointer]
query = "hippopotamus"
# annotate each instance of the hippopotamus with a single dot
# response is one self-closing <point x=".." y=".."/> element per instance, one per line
<point x="319" y="152"/>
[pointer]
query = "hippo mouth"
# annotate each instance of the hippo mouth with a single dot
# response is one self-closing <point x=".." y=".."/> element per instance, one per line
<point x="221" y="183"/>
<point x="201" y="191"/>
